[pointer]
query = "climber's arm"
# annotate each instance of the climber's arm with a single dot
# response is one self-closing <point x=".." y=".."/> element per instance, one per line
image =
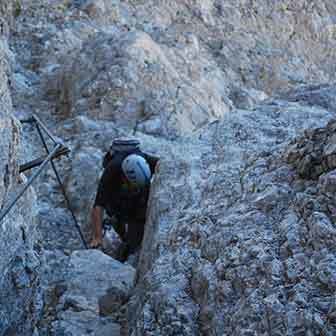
<point x="96" y="223"/>
<point x="103" y="196"/>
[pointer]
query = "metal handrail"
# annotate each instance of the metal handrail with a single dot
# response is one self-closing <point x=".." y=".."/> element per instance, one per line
<point x="58" y="150"/>
<point x="30" y="181"/>
<point x="60" y="183"/>
<point x="37" y="162"/>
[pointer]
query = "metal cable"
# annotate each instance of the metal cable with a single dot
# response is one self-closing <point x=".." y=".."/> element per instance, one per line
<point x="30" y="181"/>
<point x="58" y="150"/>
<point x="62" y="186"/>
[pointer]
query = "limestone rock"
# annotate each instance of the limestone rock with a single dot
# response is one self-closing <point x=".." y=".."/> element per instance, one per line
<point x="132" y="79"/>
<point x="96" y="289"/>
<point x="20" y="296"/>
<point x="240" y="233"/>
<point x="250" y="241"/>
<point x="318" y="95"/>
<point x="315" y="153"/>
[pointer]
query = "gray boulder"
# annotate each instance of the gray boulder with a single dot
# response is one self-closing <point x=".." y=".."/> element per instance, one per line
<point x="96" y="288"/>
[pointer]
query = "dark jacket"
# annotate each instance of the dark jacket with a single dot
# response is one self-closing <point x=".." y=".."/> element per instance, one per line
<point x="115" y="194"/>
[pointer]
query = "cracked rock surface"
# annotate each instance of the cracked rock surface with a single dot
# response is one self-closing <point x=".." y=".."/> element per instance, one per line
<point x="248" y="246"/>
<point x="92" y="295"/>
<point x="238" y="100"/>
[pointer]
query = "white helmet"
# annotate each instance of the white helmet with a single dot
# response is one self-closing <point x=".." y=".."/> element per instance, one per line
<point x="137" y="170"/>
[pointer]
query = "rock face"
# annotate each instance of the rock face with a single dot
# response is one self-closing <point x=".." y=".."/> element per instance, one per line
<point x="6" y="14"/>
<point x="168" y="68"/>
<point x="92" y="295"/>
<point x="315" y="153"/>
<point x="19" y="262"/>
<point x="237" y="241"/>
<point x="240" y="233"/>
<point x="125" y="69"/>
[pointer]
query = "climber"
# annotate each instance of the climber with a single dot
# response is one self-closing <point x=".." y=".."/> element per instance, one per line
<point x="123" y="193"/>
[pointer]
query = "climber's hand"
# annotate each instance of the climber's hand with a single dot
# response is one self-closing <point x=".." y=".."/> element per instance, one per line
<point x="96" y="243"/>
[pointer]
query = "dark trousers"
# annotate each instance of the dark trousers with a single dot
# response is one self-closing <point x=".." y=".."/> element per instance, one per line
<point x="130" y="228"/>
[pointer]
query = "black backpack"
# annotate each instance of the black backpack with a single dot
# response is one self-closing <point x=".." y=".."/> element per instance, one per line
<point x="121" y="147"/>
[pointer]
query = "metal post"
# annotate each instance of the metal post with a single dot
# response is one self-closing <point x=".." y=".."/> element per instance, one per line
<point x="37" y="162"/>
<point x="30" y="181"/>
<point x="58" y="150"/>
<point x="61" y="184"/>
<point x="45" y="129"/>
<point x="27" y="121"/>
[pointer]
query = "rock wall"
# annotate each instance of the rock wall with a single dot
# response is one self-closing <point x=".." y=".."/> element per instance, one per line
<point x="240" y="232"/>
<point x="240" y="239"/>
<point x="19" y="262"/>
<point x="169" y="67"/>
<point x="6" y="14"/>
